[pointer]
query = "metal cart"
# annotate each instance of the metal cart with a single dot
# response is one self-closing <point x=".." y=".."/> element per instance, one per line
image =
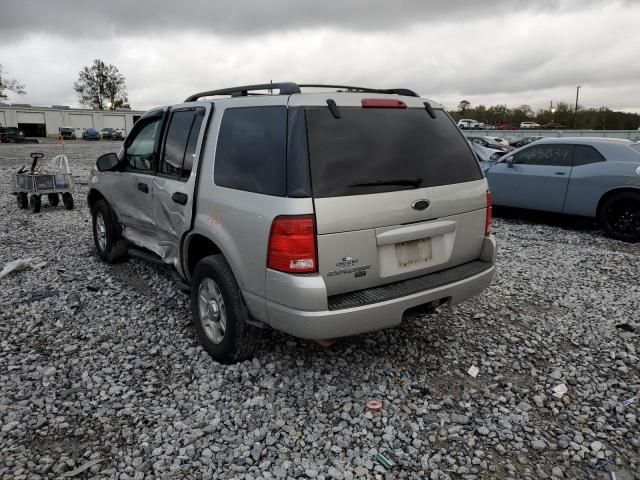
<point x="53" y="180"/>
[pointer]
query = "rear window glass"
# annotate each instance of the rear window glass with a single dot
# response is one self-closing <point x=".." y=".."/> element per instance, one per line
<point x="252" y="149"/>
<point x="584" y="155"/>
<point x="384" y="150"/>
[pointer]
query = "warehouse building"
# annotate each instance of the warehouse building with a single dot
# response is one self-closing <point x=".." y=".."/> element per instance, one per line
<point x="45" y="121"/>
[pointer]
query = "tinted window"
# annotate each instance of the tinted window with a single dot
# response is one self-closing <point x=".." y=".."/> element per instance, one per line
<point x="139" y="154"/>
<point x="550" y="154"/>
<point x="251" y="152"/>
<point x="383" y="150"/>
<point x="181" y="141"/>
<point x="584" y="155"/>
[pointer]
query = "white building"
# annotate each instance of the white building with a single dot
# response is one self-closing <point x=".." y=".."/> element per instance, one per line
<point x="44" y="121"/>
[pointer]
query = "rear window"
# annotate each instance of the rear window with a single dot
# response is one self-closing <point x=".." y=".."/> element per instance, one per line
<point x="385" y="150"/>
<point x="252" y="149"/>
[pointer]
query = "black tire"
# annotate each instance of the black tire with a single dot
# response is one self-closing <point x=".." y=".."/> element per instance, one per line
<point x="619" y="216"/>
<point x="240" y="339"/>
<point x="67" y="200"/>
<point x="22" y="199"/>
<point x="34" y="203"/>
<point x="107" y="236"/>
<point x="54" y="199"/>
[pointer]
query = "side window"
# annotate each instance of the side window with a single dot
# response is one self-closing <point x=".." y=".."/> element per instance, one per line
<point x="545" y="155"/>
<point x="251" y="151"/>
<point x="139" y="153"/>
<point x="585" y="154"/>
<point x="180" y="144"/>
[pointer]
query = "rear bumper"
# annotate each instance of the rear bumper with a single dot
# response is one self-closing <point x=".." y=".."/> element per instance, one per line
<point x="453" y="286"/>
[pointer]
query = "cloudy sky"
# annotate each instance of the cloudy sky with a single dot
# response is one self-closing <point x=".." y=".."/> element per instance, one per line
<point x="490" y="51"/>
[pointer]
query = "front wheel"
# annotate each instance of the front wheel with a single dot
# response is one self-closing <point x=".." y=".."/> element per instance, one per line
<point x="67" y="200"/>
<point x="220" y="317"/>
<point x="111" y="247"/>
<point x="620" y="216"/>
<point x="34" y="203"/>
<point x="23" y="200"/>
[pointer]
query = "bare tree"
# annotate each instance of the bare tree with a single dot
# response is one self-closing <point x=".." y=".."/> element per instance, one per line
<point x="463" y="106"/>
<point x="102" y="86"/>
<point x="10" y="85"/>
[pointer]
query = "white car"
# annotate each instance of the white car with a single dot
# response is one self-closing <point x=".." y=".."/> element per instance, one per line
<point x="469" y="124"/>
<point x="500" y="140"/>
<point x="525" y="125"/>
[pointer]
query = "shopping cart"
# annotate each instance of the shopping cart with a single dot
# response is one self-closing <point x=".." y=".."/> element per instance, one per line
<point x="53" y="180"/>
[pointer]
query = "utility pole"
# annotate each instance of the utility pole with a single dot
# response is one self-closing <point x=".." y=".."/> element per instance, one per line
<point x="575" y="112"/>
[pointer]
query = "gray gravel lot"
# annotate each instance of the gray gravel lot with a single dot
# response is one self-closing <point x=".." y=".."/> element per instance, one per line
<point x="99" y="362"/>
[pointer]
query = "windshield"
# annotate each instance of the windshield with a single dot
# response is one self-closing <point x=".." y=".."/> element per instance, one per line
<point x="377" y="150"/>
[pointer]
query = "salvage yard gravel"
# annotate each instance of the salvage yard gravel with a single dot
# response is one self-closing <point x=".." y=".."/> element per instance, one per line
<point x="101" y="376"/>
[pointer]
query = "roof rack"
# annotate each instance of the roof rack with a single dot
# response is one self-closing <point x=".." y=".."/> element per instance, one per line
<point x="286" y="88"/>
<point x="289" y="88"/>
<point x="391" y="91"/>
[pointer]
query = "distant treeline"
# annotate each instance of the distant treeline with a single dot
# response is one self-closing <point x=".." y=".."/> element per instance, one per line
<point x="563" y="113"/>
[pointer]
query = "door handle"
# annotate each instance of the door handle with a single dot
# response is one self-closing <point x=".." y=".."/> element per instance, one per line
<point x="143" y="187"/>
<point x="180" y="198"/>
<point x="561" y="173"/>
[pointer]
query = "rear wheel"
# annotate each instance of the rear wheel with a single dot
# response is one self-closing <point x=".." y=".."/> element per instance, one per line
<point x="53" y="199"/>
<point x="620" y="216"/>
<point x="34" y="203"/>
<point x="111" y="247"/>
<point x="220" y="317"/>
<point x="67" y="200"/>
<point x="23" y="201"/>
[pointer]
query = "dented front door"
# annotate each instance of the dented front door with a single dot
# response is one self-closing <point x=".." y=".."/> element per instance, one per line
<point x="174" y="184"/>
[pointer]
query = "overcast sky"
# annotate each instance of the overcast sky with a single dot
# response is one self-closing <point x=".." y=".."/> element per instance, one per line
<point x="490" y="51"/>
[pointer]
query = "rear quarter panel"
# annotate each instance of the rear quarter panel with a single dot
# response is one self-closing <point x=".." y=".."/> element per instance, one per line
<point x="588" y="183"/>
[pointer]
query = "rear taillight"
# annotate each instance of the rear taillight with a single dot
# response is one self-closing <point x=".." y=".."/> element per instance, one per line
<point x="292" y="245"/>
<point x="487" y="223"/>
<point x="382" y="103"/>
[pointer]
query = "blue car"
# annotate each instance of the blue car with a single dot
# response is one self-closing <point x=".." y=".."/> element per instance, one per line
<point x="91" y="134"/>
<point x="590" y="177"/>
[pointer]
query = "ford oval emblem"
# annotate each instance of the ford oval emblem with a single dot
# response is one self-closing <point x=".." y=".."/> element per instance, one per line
<point x="420" y="204"/>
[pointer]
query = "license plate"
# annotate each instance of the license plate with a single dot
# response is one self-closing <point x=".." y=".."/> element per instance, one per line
<point x="415" y="251"/>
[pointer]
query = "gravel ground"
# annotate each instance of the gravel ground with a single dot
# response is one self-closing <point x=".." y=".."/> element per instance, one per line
<point x="99" y="362"/>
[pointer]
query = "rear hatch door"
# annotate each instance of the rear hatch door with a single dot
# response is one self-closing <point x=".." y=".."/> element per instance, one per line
<point x="397" y="193"/>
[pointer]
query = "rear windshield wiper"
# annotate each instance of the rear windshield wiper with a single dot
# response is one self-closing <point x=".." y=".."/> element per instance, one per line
<point x="415" y="183"/>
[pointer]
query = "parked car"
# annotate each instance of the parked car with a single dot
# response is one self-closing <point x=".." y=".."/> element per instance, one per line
<point x="553" y="125"/>
<point x="11" y="135"/>
<point x="489" y="143"/>
<point x="90" y="134"/>
<point x="292" y="211"/>
<point x="67" y="133"/>
<point x="526" y="125"/>
<point x="591" y="177"/>
<point x="521" y="142"/>
<point x="502" y="141"/>
<point x="506" y="126"/>
<point x="111" y="134"/>
<point x="486" y="154"/>
<point x="469" y="124"/>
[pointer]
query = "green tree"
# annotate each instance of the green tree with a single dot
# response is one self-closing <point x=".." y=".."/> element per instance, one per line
<point x="101" y="86"/>
<point x="9" y="85"/>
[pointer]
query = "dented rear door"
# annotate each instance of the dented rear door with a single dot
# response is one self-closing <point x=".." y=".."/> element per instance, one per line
<point x="174" y="184"/>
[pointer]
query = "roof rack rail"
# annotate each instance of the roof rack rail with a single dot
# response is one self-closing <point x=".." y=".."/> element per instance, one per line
<point x="286" y="88"/>
<point x="289" y="88"/>
<point x="392" y="91"/>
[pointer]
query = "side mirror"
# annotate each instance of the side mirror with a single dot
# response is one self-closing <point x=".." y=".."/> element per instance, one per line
<point x="107" y="162"/>
<point x="510" y="162"/>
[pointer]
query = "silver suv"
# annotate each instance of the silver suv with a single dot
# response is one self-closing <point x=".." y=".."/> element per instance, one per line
<point x="319" y="214"/>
